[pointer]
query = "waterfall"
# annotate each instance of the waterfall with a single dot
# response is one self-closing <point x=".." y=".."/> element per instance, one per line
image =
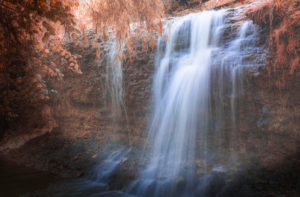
<point x="114" y="90"/>
<point x="114" y="81"/>
<point x="196" y="89"/>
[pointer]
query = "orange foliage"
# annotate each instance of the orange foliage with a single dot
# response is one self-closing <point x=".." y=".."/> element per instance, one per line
<point x="30" y="52"/>
<point x="283" y="19"/>
<point x="124" y="20"/>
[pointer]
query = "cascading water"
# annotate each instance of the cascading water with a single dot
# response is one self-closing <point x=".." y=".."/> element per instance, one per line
<point x="199" y="72"/>
<point x="114" y="90"/>
<point x="114" y="81"/>
<point x="110" y="165"/>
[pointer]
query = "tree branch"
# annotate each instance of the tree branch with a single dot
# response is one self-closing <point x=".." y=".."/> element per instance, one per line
<point x="9" y="8"/>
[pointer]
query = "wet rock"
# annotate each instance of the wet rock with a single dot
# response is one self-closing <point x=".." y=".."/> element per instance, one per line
<point x="200" y="163"/>
<point x="234" y="189"/>
<point x="200" y="171"/>
<point x="210" y="184"/>
<point x="80" y="173"/>
<point x="113" y="194"/>
<point x="179" y="180"/>
<point x="264" y="119"/>
<point x="94" y="156"/>
<point x="182" y="41"/>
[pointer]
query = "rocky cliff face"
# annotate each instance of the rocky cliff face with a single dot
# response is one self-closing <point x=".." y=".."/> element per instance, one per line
<point x="84" y="125"/>
<point x="276" y="90"/>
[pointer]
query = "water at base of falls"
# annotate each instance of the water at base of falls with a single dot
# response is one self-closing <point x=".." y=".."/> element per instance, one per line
<point x="199" y="68"/>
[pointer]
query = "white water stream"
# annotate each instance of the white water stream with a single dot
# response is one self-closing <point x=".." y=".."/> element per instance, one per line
<point x="114" y="81"/>
<point x="199" y="66"/>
